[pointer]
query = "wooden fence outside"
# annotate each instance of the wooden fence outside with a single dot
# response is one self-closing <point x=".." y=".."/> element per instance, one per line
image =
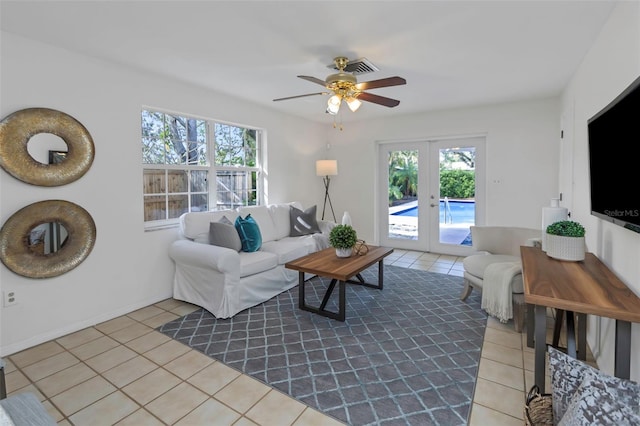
<point x="233" y="189"/>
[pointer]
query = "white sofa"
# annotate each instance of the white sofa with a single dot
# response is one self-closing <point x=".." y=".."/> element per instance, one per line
<point x="225" y="281"/>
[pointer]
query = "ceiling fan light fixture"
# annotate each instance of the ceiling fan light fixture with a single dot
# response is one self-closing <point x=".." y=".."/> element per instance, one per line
<point x="333" y="104"/>
<point x="353" y="104"/>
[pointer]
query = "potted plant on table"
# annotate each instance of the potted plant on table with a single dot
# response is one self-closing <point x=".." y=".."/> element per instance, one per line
<point x="565" y="240"/>
<point x="343" y="238"/>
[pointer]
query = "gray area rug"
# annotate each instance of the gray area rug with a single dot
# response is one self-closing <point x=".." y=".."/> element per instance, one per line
<point x="406" y="355"/>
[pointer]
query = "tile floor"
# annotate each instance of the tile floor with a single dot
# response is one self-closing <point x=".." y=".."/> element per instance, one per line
<point x="123" y="372"/>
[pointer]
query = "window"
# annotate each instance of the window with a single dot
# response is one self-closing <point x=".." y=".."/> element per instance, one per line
<point x="177" y="160"/>
<point x="235" y="164"/>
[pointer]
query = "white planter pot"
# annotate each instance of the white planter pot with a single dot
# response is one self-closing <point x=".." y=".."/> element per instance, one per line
<point x="565" y="248"/>
<point x="344" y="252"/>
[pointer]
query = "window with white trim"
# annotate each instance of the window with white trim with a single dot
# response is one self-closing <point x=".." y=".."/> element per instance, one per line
<point x="180" y="152"/>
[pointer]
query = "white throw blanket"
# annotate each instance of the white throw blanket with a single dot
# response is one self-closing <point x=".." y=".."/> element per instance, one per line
<point x="5" y="420"/>
<point x="496" y="289"/>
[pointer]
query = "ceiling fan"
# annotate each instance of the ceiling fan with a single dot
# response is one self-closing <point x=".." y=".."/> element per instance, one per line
<point x="344" y="86"/>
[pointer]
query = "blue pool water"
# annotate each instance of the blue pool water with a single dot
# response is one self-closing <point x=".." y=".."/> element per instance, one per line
<point x="459" y="212"/>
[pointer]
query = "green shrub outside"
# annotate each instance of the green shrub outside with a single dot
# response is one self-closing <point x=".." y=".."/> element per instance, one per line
<point x="457" y="184"/>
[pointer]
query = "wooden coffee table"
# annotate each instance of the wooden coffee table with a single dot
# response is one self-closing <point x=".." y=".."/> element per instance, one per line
<point x="325" y="263"/>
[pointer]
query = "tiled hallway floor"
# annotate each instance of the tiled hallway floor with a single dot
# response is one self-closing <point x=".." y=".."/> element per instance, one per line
<point x="124" y="372"/>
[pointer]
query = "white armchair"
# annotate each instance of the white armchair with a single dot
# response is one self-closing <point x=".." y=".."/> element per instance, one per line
<point x="499" y="244"/>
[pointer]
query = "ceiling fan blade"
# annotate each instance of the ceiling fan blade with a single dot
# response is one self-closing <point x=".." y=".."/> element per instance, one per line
<point x="300" y="96"/>
<point x="383" y="82"/>
<point x="313" y="80"/>
<point x="380" y="100"/>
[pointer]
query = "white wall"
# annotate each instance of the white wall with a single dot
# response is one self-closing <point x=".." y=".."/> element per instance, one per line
<point x="522" y="144"/>
<point x="128" y="268"/>
<point x="610" y="66"/>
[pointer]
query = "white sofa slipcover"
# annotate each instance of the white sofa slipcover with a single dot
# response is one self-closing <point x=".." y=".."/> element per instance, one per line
<point x="224" y="281"/>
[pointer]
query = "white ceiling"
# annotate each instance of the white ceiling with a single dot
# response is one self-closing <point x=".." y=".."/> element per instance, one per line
<point x="452" y="53"/>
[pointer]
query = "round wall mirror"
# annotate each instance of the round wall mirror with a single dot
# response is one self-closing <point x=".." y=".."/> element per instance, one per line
<point x="61" y="166"/>
<point x="47" y="148"/>
<point x="47" y="239"/>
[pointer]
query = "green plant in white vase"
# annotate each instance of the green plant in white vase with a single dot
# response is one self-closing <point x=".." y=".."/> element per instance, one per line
<point x="343" y="238"/>
<point x="565" y="240"/>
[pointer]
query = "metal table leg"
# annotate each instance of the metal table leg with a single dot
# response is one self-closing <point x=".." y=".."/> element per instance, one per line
<point x="531" y="321"/>
<point x="582" y="337"/>
<point x="540" y="346"/>
<point x="622" y="362"/>
<point x="571" y="334"/>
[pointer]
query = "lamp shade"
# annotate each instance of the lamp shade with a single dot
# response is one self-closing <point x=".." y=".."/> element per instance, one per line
<point x="327" y="167"/>
<point x="353" y="104"/>
<point x="333" y="104"/>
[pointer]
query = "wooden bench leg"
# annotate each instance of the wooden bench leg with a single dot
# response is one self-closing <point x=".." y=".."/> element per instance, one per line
<point x="519" y="312"/>
<point x="466" y="291"/>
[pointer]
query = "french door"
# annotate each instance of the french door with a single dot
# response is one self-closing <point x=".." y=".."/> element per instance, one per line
<point x="430" y="192"/>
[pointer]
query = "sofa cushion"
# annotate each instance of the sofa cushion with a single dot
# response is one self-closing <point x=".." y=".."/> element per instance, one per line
<point x="280" y="217"/>
<point x="256" y="262"/>
<point x="262" y="216"/>
<point x="225" y="219"/>
<point x="195" y="225"/>
<point x="303" y="222"/>
<point x="224" y="235"/>
<point x="287" y="249"/>
<point x="249" y="233"/>
<point x="567" y="374"/>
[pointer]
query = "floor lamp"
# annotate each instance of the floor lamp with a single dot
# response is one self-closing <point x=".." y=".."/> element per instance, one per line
<point x="326" y="168"/>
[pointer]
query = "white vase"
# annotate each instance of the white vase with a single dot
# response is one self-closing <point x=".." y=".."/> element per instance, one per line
<point x="344" y="252"/>
<point x="565" y="248"/>
<point x="550" y="215"/>
<point x="346" y="219"/>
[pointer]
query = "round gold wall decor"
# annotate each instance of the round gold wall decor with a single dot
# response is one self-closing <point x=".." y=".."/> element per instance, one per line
<point x="17" y="128"/>
<point x="17" y="254"/>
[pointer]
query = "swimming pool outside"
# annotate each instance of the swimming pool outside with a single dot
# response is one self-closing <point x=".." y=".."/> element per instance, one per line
<point x="454" y="226"/>
<point x="451" y="211"/>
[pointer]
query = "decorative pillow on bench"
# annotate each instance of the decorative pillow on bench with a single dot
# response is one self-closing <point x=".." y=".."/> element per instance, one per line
<point x="303" y="222"/>
<point x="575" y="386"/>
<point x="599" y="400"/>
<point x="224" y="234"/>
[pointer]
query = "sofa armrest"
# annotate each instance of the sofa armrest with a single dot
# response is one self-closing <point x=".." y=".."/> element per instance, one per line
<point x="206" y="256"/>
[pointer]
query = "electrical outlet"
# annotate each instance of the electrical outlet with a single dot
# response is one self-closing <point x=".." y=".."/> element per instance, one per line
<point x="9" y="298"/>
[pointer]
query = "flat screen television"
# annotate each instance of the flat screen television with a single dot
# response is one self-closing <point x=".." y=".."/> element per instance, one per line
<point x="614" y="153"/>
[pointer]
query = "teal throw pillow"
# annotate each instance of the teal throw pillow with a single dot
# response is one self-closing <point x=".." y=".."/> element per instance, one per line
<point x="249" y="233"/>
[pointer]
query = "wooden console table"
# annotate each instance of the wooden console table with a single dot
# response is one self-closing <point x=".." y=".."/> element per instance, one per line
<point x="586" y="287"/>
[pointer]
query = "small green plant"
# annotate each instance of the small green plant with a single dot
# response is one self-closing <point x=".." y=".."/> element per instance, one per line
<point x="566" y="228"/>
<point x="343" y="237"/>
